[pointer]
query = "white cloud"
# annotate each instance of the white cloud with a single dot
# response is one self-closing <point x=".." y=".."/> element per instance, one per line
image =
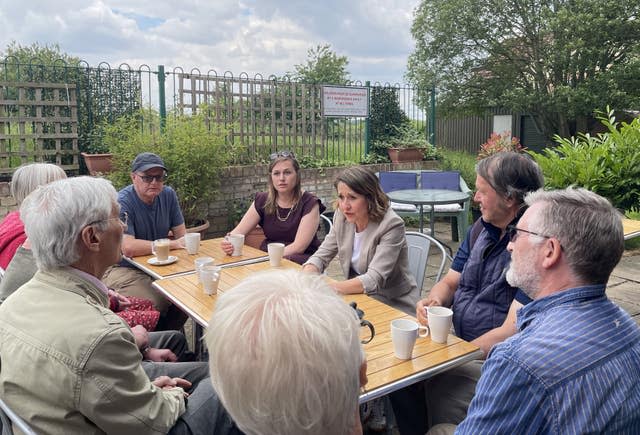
<point x="252" y="36"/>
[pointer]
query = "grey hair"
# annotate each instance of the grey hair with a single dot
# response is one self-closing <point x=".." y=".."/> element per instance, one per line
<point x="285" y="355"/>
<point x="511" y="174"/>
<point x="55" y="214"/>
<point x="26" y="178"/>
<point x="588" y="227"/>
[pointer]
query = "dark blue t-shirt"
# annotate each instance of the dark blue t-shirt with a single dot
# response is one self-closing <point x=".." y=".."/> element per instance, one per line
<point x="150" y="222"/>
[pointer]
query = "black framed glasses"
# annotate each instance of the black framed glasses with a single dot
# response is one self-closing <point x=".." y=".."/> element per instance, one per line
<point x="123" y="218"/>
<point x="284" y="154"/>
<point x="512" y="230"/>
<point x="149" y="178"/>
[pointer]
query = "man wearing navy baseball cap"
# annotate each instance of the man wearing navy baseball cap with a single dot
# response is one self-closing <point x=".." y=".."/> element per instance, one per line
<point x="153" y="212"/>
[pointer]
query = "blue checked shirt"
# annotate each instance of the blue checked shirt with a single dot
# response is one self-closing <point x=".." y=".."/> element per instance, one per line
<point x="573" y="368"/>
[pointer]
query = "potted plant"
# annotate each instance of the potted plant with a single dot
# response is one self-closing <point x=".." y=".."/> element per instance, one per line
<point x="408" y="145"/>
<point x="192" y="148"/>
<point x="97" y="157"/>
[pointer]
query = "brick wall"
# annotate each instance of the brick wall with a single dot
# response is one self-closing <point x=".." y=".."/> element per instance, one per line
<point x="240" y="184"/>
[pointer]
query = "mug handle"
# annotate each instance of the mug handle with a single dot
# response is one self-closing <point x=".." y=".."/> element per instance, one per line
<point x="153" y="247"/>
<point x="423" y="331"/>
<point x="371" y="329"/>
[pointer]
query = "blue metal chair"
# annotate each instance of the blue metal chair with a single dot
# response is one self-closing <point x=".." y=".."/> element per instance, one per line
<point x="390" y="181"/>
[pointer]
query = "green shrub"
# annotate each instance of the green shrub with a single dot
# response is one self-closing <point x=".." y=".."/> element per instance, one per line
<point x="608" y="164"/>
<point x="193" y="149"/>
<point x="462" y="162"/>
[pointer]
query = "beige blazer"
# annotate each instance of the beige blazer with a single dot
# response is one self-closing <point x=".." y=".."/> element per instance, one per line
<point x="383" y="255"/>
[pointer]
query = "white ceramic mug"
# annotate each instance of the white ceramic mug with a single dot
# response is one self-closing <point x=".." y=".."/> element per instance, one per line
<point x="404" y="333"/>
<point x="440" y="320"/>
<point x="237" y="240"/>
<point x="210" y="276"/>
<point x="160" y="248"/>
<point x="202" y="261"/>
<point x="276" y="251"/>
<point x="192" y="243"/>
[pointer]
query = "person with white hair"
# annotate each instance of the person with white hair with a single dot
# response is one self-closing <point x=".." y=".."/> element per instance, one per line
<point x="25" y="180"/>
<point x="285" y="356"/>
<point x="69" y="364"/>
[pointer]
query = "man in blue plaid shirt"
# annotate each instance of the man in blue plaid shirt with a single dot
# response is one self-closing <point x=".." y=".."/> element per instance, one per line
<point x="573" y="365"/>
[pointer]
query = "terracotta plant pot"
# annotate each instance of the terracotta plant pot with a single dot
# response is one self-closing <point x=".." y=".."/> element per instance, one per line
<point x="398" y="155"/>
<point x="98" y="164"/>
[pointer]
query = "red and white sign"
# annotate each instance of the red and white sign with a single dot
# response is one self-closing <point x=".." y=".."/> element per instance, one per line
<point x="345" y="101"/>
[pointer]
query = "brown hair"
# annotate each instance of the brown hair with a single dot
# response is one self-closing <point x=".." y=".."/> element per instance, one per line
<point x="365" y="183"/>
<point x="272" y="194"/>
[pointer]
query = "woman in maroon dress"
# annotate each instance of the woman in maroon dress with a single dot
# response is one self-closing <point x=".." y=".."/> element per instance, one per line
<point x="286" y="213"/>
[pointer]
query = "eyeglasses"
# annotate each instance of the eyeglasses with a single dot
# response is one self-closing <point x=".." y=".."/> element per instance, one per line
<point x="512" y="230"/>
<point x="149" y="178"/>
<point x="284" y="154"/>
<point x="124" y="219"/>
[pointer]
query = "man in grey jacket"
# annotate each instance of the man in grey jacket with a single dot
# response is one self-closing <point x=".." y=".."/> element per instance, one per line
<point x="69" y="364"/>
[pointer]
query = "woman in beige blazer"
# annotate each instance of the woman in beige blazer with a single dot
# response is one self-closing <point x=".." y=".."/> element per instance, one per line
<point x="369" y="238"/>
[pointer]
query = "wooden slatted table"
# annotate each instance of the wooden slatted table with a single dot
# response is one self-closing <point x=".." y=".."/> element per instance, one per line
<point x="386" y="373"/>
<point x="208" y="248"/>
<point x="631" y="228"/>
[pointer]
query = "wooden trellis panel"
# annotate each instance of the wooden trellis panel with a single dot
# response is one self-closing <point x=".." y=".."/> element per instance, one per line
<point x="38" y="123"/>
<point x="264" y="115"/>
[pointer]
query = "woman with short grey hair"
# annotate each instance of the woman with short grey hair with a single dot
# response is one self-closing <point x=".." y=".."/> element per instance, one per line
<point x="24" y="181"/>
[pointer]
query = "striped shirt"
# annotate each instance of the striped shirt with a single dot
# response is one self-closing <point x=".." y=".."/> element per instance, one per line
<point x="573" y="368"/>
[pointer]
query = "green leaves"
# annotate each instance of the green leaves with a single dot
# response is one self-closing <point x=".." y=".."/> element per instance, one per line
<point x="557" y="60"/>
<point x="608" y="164"/>
<point x="193" y="149"/>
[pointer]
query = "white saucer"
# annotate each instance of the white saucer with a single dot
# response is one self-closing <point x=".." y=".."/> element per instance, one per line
<point x="154" y="261"/>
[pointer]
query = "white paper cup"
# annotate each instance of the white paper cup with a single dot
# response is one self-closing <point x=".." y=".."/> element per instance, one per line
<point x="192" y="243"/>
<point x="160" y="248"/>
<point x="210" y="276"/>
<point x="403" y="335"/>
<point x="440" y="320"/>
<point x="276" y="251"/>
<point x="202" y="261"/>
<point x="237" y="240"/>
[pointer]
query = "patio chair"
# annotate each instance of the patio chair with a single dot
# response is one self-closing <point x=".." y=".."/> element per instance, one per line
<point x="324" y="227"/>
<point x="10" y="419"/>
<point x="449" y="180"/>
<point x="390" y="181"/>
<point x="418" y="245"/>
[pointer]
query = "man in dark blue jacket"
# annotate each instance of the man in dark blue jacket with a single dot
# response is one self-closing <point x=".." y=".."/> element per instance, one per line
<point x="475" y="287"/>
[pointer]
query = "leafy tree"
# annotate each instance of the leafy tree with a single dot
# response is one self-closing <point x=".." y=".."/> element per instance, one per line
<point x="323" y="66"/>
<point x="557" y="60"/>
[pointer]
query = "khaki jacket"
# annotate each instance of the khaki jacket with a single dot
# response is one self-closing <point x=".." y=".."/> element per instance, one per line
<point x="71" y="366"/>
<point x="383" y="255"/>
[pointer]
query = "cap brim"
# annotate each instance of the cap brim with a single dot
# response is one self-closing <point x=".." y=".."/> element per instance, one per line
<point x="144" y="168"/>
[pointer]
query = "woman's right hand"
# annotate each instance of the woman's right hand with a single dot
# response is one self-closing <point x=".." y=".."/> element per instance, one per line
<point x="227" y="247"/>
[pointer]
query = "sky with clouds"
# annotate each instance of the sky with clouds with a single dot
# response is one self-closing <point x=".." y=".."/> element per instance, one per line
<point x="252" y="36"/>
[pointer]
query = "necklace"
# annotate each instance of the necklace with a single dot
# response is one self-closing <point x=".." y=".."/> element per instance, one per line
<point x="284" y="219"/>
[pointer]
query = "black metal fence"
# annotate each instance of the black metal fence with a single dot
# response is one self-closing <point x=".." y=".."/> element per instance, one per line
<point x="263" y="114"/>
